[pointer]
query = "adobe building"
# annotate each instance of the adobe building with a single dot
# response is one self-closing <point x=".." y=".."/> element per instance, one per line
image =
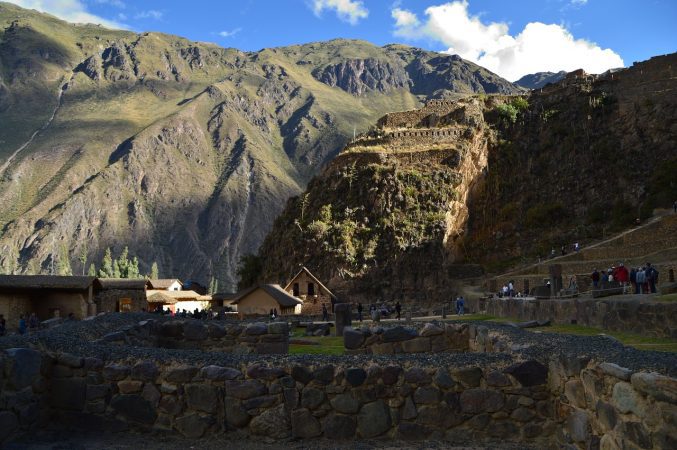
<point x="51" y="296"/>
<point x="165" y="284"/>
<point x="260" y="300"/>
<point x="307" y="288"/>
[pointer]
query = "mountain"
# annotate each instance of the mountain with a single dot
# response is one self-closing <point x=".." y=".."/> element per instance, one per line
<point x="540" y="79"/>
<point x="412" y="206"/>
<point x="183" y="151"/>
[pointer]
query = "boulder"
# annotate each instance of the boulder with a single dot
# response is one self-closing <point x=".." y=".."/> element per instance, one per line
<point x="391" y="374"/>
<point x="616" y="371"/>
<point x="578" y="425"/>
<point x="339" y="427"/>
<point x="345" y="403"/>
<point x="374" y="419"/>
<point x="302" y="374"/>
<point x="236" y="416"/>
<point x="245" y="389"/>
<point x="194" y="330"/>
<point x="262" y="372"/>
<point x="145" y="371"/>
<point x="193" y="425"/>
<point x="498" y="379"/>
<point x="469" y="377"/>
<point x="573" y="389"/>
<point x="409" y="411"/>
<point x="311" y="397"/>
<point x="256" y="329"/>
<point x="427" y="395"/>
<point x="606" y="415"/>
<point x="355" y="376"/>
<point x="201" y="397"/>
<point x="22" y="366"/>
<point x="218" y="373"/>
<point x="134" y="408"/>
<point x="430" y="329"/>
<point x="180" y="374"/>
<point x="658" y="386"/>
<point x="116" y="372"/>
<point x="417" y="375"/>
<point x="626" y="399"/>
<point x="304" y="425"/>
<point x="398" y="334"/>
<point x="278" y="328"/>
<point x="171" y="328"/>
<point x="324" y="374"/>
<point x="443" y="379"/>
<point x="352" y="338"/>
<point x="529" y="373"/>
<point x="271" y="423"/>
<point x="475" y="401"/>
<point x="416" y="345"/>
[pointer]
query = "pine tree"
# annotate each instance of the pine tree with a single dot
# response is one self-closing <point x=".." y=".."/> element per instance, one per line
<point x="133" y="268"/>
<point x="92" y="270"/>
<point x="116" y="270"/>
<point x="83" y="256"/>
<point x="216" y="286"/>
<point x="64" y="263"/>
<point x="154" y="272"/>
<point x="123" y="263"/>
<point x="210" y="291"/>
<point x="106" y="270"/>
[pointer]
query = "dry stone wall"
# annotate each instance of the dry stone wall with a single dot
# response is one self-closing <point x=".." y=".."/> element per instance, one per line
<point x="258" y="337"/>
<point x="431" y="338"/>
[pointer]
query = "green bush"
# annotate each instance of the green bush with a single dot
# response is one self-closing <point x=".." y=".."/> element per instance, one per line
<point x="507" y="111"/>
<point x="520" y="103"/>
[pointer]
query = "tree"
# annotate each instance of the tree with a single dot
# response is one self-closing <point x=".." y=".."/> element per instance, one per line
<point x="304" y="204"/>
<point x="133" y="268"/>
<point x="154" y="272"/>
<point x="83" y="256"/>
<point x="64" y="263"/>
<point x="92" y="270"/>
<point x="116" y="270"/>
<point x="248" y="270"/>
<point x="123" y="263"/>
<point x="106" y="270"/>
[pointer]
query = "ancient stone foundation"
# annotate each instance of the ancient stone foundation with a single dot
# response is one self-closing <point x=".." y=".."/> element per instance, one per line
<point x="507" y="396"/>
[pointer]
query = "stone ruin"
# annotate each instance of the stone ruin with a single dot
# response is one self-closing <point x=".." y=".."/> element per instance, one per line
<point x="495" y="385"/>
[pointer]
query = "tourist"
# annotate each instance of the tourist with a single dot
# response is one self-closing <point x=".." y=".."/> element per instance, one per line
<point x="633" y="279"/>
<point x="325" y="313"/>
<point x="460" y="304"/>
<point x="275" y="312"/>
<point x="564" y="250"/>
<point x="641" y="279"/>
<point x="553" y="253"/>
<point x="3" y="325"/>
<point x="22" y="324"/>
<point x="33" y="322"/>
<point x="505" y="290"/>
<point x="622" y="276"/>
<point x="511" y="289"/>
<point x="398" y="310"/>
<point x="610" y="274"/>
<point x="577" y="247"/>
<point x="651" y="277"/>
<point x="595" y="278"/>
<point x="359" y="311"/>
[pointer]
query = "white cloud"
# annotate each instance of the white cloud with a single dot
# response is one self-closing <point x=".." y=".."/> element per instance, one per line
<point x="150" y="14"/>
<point x="351" y="11"/>
<point x="70" y="10"/>
<point x="230" y="33"/>
<point x="579" y="2"/>
<point x="538" y="47"/>
<point x="116" y="3"/>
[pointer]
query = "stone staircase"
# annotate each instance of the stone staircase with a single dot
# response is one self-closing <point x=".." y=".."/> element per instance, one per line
<point x="654" y="242"/>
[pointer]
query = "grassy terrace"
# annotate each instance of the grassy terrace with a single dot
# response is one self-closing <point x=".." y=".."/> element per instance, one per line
<point x="331" y="345"/>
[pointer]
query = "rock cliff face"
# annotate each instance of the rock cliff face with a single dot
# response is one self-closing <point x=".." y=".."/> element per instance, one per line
<point x="485" y="180"/>
<point x="539" y="79"/>
<point x="184" y="151"/>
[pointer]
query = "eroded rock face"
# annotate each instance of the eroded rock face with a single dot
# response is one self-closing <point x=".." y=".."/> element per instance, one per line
<point x="359" y="76"/>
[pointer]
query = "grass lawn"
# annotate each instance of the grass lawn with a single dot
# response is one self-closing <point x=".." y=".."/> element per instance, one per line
<point x="666" y="298"/>
<point x="328" y="345"/>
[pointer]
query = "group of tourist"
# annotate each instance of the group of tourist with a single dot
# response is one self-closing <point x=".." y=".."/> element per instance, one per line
<point x="508" y="290"/>
<point x="644" y="279"/>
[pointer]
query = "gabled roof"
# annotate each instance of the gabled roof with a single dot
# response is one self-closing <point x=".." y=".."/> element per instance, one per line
<point x="179" y="296"/>
<point x="163" y="283"/>
<point x="120" y="283"/>
<point x="161" y="297"/>
<point x="45" y="282"/>
<point x="305" y="269"/>
<point x="274" y="290"/>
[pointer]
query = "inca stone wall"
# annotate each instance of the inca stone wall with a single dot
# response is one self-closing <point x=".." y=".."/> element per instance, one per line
<point x="657" y="319"/>
<point x="259" y="338"/>
<point x="432" y="338"/>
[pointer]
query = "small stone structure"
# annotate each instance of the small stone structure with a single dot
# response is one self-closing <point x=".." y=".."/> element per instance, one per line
<point x="259" y="338"/>
<point x="432" y="338"/>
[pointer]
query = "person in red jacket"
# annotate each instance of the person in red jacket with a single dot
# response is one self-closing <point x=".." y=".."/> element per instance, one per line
<point x="622" y="276"/>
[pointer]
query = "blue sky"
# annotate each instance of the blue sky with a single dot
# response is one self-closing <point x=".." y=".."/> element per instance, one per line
<point x="511" y="38"/>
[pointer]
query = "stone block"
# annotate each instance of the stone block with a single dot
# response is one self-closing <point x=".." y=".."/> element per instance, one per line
<point x="391" y="374"/>
<point x="475" y="401"/>
<point x="345" y="403"/>
<point x="171" y="328"/>
<point x="134" y="408"/>
<point x="657" y="386"/>
<point x="271" y="423"/>
<point x="626" y="399"/>
<point x="469" y="377"/>
<point x="68" y="393"/>
<point x="245" y="389"/>
<point x="413" y="431"/>
<point x="236" y="416"/>
<point x="180" y="374"/>
<point x="606" y="415"/>
<point x="193" y="425"/>
<point x="343" y="315"/>
<point x="215" y="331"/>
<point x="443" y="379"/>
<point x="116" y="372"/>
<point x="573" y="389"/>
<point x="374" y="419"/>
<point x="201" y="397"/>
<point x="578" y="425"/>
<point x="438" y="416"/>
<point x="68" y="360"/>
<point x="339" y="427"/>
<point x="304" y="425"/>
<point x="355" y="376"/>
<point x="409" y="410"/>
<point x="95" y="392"/>
<point x="398" y="334"/>
<point x="256" y="329"/>
<point x="498" y="379"/>
<point x="430" y="329"/>
<point x="427" y="395"/>
<point x="352" y="338"/>
<point x="130" y="386"/>
<point x="616" y="371"/>
<point x="151" y="393"/>
<point x="417" y="375"/>
<point x="312" y="398"/>
<point x="22" y="366"/>
<point x="324" y="374"/>
<point x="259" y="371"/>
<point x="218" y="373"/>
<point x="522" y="414"/>
<point x="145" y="371"/>
<point x="278" y="328"/>
<point x="416" y="345"/>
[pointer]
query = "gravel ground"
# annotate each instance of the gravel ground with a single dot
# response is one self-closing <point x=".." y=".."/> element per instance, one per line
<point x="77" y="338"/>
<point x="132" y="441"/>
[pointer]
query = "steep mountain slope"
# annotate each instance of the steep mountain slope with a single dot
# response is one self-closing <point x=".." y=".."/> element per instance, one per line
<point x="485" y="179"/>
<point x="183" y="151"/>
<point x="539" y="79"/>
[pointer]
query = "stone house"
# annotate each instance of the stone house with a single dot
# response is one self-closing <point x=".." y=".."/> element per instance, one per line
<point x="166" y="284"/>
<point x="51" y="296"/>
<point x="120" y="294"/>
<point x="260" y="300"/>
<point x="307" y="288"/>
